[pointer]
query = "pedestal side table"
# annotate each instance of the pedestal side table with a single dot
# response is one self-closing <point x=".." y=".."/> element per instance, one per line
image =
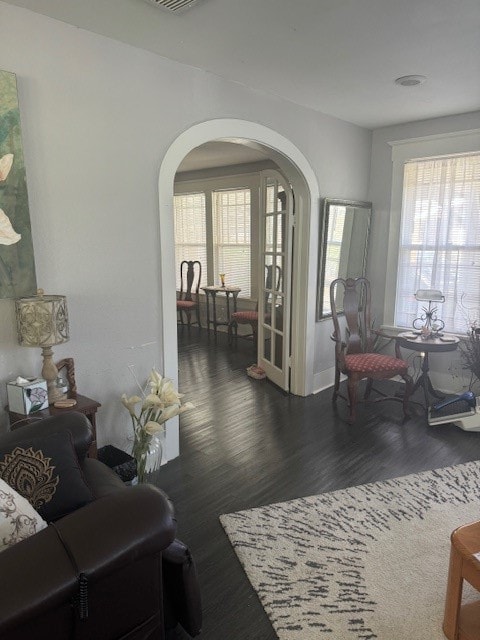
<point x="211" y="292"/>
<point x="408" y="340"/>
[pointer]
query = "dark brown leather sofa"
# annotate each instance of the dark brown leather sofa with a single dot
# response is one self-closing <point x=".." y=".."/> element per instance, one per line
<point x="140" y="581"/>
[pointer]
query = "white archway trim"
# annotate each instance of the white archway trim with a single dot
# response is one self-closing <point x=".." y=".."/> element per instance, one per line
<point x="297" y="169"/>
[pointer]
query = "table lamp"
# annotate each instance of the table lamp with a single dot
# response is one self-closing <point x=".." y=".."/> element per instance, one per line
<point x="428" y="322"/>
<point x="42" y="321"/>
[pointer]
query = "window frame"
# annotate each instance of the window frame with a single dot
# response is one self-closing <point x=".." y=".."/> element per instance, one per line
<point x="462" y="142"/>
<point x="250" y="180"/>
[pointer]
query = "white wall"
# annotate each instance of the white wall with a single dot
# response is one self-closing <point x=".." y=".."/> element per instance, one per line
<point x="351" y="175"/>
<point x="97" y="118"/>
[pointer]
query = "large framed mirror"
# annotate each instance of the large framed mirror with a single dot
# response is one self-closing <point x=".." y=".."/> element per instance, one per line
<point x="343" y="246"/>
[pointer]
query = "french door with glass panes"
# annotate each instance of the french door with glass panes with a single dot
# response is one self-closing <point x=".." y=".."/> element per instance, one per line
<point x="274" y="283"/>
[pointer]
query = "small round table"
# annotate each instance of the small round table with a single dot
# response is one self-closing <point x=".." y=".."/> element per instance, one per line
<point x="409" y="340"/>
<point x="211" y="291"/>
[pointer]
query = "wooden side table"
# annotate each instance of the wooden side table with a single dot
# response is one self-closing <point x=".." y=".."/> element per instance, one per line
<point x="407" y="340"/>
<point x="211" y="291"/>
<point x="84" y="405"/>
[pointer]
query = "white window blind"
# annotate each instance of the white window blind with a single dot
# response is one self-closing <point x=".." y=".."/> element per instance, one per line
<point x="232" y="243"/>
<point x="440" y="238"/>
<point x="190" y="232"/>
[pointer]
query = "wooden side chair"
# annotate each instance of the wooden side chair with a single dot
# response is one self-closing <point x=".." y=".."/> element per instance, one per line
<point x="462" y="620"/>
<point x="251" y="317"/>
<point x="189" y="298"/>
<point x="354" y="353"/>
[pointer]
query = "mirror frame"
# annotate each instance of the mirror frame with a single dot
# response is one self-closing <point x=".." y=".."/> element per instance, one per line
<point x="322" y="254"/>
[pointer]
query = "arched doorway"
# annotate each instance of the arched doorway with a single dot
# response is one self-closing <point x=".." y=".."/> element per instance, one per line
<point x="298" y="171"/>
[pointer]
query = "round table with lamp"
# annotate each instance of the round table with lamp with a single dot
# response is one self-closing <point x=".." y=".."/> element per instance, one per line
<point x="436" y="343"/>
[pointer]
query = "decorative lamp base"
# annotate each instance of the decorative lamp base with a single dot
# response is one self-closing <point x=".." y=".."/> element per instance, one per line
<point x="50" y="374"/>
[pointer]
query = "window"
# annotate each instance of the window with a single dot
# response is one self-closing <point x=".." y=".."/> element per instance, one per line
<point x="190" y="230"/>
<point x="439" y="244"/>
<point x="231" y="238"/>
<point x="216" y="222"/>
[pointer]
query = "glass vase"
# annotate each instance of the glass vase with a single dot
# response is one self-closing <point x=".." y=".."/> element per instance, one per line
<point x="150" y="456"/>
<point x="141" y="460"/>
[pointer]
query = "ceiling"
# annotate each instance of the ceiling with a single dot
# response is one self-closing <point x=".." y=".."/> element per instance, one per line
<point x="338" y="57"/>
<point x="223" y="154"/>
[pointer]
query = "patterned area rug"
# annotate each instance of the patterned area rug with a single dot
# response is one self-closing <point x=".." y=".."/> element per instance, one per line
<point x="366" y="562"/>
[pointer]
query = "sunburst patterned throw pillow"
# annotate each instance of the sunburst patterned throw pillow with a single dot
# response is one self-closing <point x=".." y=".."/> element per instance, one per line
<point x="47" y="473"/>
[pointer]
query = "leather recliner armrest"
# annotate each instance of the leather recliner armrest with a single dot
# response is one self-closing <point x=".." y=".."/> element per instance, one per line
<point x="101" y="479"/>
<point x="77" y="423"/>
<point x="104" y="536"/>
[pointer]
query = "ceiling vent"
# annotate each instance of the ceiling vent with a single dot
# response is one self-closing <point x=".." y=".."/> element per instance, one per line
<point x="174" y="6"/>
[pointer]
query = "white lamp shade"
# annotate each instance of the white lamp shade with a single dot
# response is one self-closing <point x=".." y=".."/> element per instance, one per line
<point x="430" y="295"/>
<point x="42" y="321"/>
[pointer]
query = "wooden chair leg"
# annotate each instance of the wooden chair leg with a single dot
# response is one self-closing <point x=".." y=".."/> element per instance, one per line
<point x="336" y="385"/>
<point x="453" y="597"/>
<point x="352" y="386"/>
<point x="408" y="392"/>
<point x="199" y="322"/>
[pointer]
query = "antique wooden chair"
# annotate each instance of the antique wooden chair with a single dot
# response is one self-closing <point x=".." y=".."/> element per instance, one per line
<point x="462" y="620"/>
<point x="251" y="317"/>
<point x="354" y="353"/>
<point x="189" y="298"/>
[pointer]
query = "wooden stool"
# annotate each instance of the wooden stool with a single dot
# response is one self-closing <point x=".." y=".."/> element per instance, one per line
<point x="463" y="622"/>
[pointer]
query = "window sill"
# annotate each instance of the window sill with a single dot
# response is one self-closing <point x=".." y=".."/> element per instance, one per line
<point x="397" y="330"/>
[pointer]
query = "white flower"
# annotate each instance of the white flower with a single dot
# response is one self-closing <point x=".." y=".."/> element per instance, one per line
<point x="169" y="412"/>
<point x="169" y="394"/>
<point x="152" y="400"/>
<point x="130" y="403"/>
<point x="8" y="235"/>
<point x="155" y="380"/>
<point x="162" y="403"/>
<point x="6" y="162"/>
<point x="152" y="428"/>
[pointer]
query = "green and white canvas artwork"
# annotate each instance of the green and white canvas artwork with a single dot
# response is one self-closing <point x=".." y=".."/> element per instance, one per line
<point x="17" y="264"/>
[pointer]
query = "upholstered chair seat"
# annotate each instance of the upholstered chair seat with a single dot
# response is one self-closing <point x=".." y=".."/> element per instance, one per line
<point x="372" y="363"/>
<point x="186" y="304"/>
<point x="245" y="317"/>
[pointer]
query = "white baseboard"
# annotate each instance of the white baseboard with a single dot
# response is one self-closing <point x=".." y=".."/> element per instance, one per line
<point x="323" y="380"/>
<point x="441" y="381"/>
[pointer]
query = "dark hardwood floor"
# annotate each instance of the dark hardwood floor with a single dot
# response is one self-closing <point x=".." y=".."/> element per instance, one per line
<point x="248" y="444"/>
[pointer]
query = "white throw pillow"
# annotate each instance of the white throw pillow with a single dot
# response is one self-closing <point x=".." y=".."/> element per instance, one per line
<point x="18" y="519"/>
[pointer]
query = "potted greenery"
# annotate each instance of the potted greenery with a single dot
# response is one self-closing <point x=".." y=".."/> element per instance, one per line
<point x="470" y="353"/>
